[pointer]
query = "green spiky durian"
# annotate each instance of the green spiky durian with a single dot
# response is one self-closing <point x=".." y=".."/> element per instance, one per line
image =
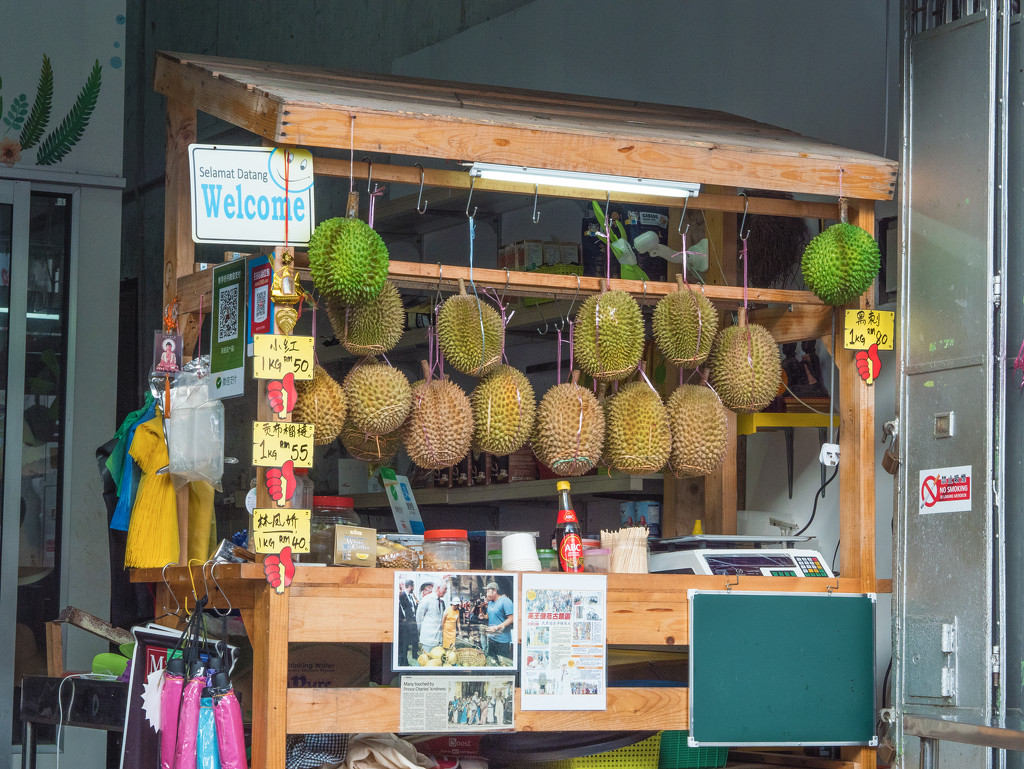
<point x="503" y="411"/>
<point x="840" y="263"/>
<point x="608" y="336"/>
<point x="685" y="324"/>
<point x="348" y="261"/>
<point x="744" y="366"/>
<point x="569" y="433"/>
<point x="638" y="438"/>
<point x="466" y="348"/>
<point x="320" y="402"/>
<point x="372" y="328"/>
<point x="379" y="397"/>
<point x="700" y="430"/>
<point x="440" y="426"/>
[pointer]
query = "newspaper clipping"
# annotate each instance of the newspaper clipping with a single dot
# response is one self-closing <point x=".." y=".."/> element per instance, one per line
<point x="564" y="624"/>
<point x="457" y="704"/>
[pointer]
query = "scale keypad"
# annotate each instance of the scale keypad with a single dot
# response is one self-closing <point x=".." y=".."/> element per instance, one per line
<point x="810" y="566"/>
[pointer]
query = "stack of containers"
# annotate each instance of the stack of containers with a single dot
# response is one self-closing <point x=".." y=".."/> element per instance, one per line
<point x="519" y="552"/>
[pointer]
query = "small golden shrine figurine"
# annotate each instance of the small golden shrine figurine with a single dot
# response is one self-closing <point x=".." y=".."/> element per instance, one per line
<point x="286" y="292"/>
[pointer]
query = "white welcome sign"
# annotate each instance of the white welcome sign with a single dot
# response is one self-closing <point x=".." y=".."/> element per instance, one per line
<point x="251" y="195"/>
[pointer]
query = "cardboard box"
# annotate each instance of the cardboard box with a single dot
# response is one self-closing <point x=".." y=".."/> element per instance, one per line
<point x="569" y="253"/>
<point x="529" y="254"/>
<point x="354" y="546"/>
<point x="552" y="252"/>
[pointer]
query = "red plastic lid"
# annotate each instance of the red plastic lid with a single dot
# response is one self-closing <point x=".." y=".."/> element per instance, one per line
<point x="333" y="502"/>
<point x="445" y="534"/>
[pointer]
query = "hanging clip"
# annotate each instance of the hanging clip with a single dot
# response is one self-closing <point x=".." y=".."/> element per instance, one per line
<point x="536" y="213"/>
<point x="472" y="183"/>
<point x="419" y="198"/>
<point x="682" y="217"/>
<point x="746" y="204"/>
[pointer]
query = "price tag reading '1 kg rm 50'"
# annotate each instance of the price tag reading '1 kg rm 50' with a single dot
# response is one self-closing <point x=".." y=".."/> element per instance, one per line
<point x="274" y="443"/>
<point x="273" y="530"/>
<point x="275" y="355"/>
<point x="867" y="327"/>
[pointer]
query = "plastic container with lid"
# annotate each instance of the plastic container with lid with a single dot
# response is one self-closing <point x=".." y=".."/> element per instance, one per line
<point x="445" y="549"/>
<point x="327" y="513"/>
<point x="494" y="560"/>
<point x="596" y="559"/>
<point x="548" y="559"/>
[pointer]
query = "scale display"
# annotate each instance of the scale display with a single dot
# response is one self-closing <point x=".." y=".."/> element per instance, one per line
<point x="755" y="563"/>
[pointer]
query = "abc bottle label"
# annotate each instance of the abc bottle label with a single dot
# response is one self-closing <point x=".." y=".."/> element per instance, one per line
<point x="570" y="552"/>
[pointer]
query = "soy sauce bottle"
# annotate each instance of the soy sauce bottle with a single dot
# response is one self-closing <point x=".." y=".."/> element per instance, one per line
<point x="567" y="533"/>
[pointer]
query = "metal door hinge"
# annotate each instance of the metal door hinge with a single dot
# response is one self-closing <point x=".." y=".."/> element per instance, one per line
<point x="997" y="289"/>
<point x="996" y="667"/>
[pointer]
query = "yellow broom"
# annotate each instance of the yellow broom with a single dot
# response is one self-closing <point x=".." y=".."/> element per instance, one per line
<point x="153" y="528"/>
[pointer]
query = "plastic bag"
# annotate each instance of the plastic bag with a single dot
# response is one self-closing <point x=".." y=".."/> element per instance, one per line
<point x="195" y="430"/>
<point x="207" y="752"/>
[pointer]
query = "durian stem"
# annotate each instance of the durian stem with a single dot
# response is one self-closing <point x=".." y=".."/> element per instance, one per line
<point x="576" y="376"/>
<point x="604" y="285"/>
<point x="425" y="367"/>
<point x="462" y="287"/>
<point x="741" y="316"/>
<point x="679" y="281"/>
<point x="352" y="209"/>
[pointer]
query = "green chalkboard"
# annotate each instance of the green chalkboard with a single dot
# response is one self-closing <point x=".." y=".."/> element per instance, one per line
<point x="781" y="668"/>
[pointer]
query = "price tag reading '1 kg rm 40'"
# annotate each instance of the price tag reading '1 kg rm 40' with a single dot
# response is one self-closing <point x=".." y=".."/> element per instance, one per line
<point x="275" y="355"/>
<point x="274" y="443"/>
<point x="273" y="530"/>
<point x="867" y="327"/>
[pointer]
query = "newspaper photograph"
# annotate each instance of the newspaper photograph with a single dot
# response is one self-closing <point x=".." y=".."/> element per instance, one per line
<point x="454" y="620"/>
<point x="564" y="626"/>
<point x="457" y="703"/>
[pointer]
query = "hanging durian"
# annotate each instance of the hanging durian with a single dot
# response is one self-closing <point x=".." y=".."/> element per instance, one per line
<point x="700" y="430"/>
<point x="569" y="433"/>
<point x="470" y="333"/>
<point x="379" y="397"/>
<point x="608" y="336"/>
<point x="348" y="261"/>
<point x="841" y="263"/>
<point x="685" y="324"/>
<point x="637" y="434"/>
<point x="503" y="411"/>
<point x="440" y="426"/>
<point x="321" y="402"/>
<point x="744" y="366"/>
<point x="372" y="328"/>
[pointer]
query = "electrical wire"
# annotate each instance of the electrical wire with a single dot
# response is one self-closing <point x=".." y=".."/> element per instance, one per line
<point x="833" y="565"/>
<point x="817" y="495"/>
<point x="805" y="405"/>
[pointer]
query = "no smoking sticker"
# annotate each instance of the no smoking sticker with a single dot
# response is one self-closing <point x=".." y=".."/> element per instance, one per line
<point x="945" y="490"/>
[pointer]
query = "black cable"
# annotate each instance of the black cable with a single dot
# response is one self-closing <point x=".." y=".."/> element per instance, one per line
<point x="817" y="495"/>
<point x="834" y="556"/>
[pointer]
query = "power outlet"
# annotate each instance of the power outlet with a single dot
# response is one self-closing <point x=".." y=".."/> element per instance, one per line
<point x="829" y="455"/>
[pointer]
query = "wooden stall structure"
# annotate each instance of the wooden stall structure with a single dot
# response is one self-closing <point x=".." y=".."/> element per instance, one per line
<point x="405" y="117"/>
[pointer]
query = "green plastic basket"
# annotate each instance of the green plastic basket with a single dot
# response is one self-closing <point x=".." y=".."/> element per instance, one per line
<point x="639" y="755"/>
<point x="676" y="754"/>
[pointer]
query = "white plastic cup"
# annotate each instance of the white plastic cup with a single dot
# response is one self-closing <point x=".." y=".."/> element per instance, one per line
<point x="518" y="547"/>
<point x="525" y="564"/>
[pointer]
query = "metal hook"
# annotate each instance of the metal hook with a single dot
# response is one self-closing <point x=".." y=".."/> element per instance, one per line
<point x="419" y="198"/>
<point x="682" y="216"/>
<point x="541" y="310"/>
<point x="644" y="297"/>
<point x="746" y="203"/>
<point x="728" y="584"/>
<point x="607" y="207"/>
<point x="830" y="588"/>
<point x="536" y="213"/>
<point x="472" y="183"/>
<point x="163" y="575"/>
<point x="369" y="173"/>
<point x="213" y="573"/>
<point x="574" y="296"/>
<point x="508" y="279"/>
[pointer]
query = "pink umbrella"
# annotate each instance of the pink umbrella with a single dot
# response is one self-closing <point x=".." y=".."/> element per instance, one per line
<point x="188" y="719"/>
<point x="170" y="702"/>
<point x="228" y="715"/>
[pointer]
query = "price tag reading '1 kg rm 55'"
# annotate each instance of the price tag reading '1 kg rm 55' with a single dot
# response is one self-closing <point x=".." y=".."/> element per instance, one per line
<point x="274" y="443"/>
<point x="275" y="355"/>
<point x="867" y="327"/>
<point x="273" y="530"/>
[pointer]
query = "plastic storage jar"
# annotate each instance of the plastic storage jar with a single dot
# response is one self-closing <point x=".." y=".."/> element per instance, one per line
<point x="327" y="513"/>
<point x="548" y="559"/>
<point x="445" y="549"/>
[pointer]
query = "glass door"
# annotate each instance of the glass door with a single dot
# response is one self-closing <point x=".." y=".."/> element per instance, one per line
<point x="35" y="239"/>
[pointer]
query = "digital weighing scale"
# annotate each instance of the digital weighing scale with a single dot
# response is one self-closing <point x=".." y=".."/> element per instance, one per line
<point x="729" y="554"/>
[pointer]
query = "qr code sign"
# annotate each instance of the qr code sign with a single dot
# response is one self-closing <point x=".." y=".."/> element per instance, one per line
<point x="227" y="314"/>
<point x="259" y="313"/>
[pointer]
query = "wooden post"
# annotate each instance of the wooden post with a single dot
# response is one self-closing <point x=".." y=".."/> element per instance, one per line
<point x="267" y="628"/>
<point x="179" y="250"/>
<point x="856" y="444"/>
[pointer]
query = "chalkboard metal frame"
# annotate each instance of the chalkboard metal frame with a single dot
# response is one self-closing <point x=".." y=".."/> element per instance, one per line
<point x="810" y="653"/>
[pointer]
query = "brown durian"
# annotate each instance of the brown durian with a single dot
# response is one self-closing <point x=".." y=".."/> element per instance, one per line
<point x="700" y="430"/>
<point x="744" y="366"/>
<point x="440" y="426"/>
<point x="503" y="411"/>
<point x="321" y="402"/>
<point x="379" y="397"/>
<point x="569" y="433"/>
<point x="638" y="439"/>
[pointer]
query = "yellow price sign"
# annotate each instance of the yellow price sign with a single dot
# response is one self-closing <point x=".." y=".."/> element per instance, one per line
<point x="274" y="443"/>
<point x="867" y="327"/>
<point x="275" y="529"/>
<point x="274" y="355"/>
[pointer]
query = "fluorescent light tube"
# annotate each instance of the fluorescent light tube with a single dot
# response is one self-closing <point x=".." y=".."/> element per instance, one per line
<point x="606" y="182"/>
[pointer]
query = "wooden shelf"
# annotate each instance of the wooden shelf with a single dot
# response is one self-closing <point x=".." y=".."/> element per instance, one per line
<point x="593" y="485"/>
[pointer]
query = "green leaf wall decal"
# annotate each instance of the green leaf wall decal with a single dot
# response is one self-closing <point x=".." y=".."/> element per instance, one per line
<point x="33" y="129"/>
<point x="65" y="136"/>
<point x="16" y="114"/>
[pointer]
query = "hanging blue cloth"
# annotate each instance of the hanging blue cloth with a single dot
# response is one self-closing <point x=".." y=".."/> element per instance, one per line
<point x="130" y="476"/>
<point x="115" y="462"/>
